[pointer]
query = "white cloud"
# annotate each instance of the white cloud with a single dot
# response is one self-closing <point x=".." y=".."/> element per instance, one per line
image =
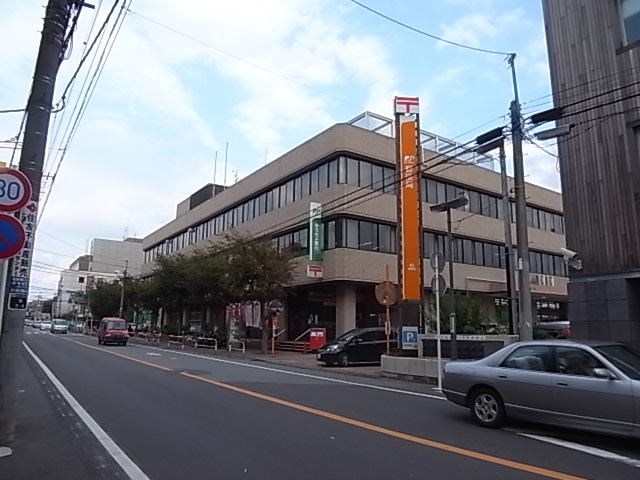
<point x="475" y="28"/>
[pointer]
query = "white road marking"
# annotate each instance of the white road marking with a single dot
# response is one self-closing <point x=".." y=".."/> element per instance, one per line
<point x="598" y="452"/>
<point x="131" y="469"/>
<point x="154" y="354"/>
<point x="307" y="375"/>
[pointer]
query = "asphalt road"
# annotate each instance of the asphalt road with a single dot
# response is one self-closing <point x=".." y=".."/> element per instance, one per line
<point x="181" y="415"/>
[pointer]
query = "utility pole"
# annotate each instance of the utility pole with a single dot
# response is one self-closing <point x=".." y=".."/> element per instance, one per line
<point x="522" y="234"/>
<point x="509" y="260"/>
<point x="124" y="279"/>
<point x="39" y="106"/>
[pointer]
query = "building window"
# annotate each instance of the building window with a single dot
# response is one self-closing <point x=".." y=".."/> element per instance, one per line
<point x="376" y="177"/>
<point x="352" y="233"/>
<point x="365" y="174"/>
<point x="630" y="13"/>
<point x="304" y="184"/>
<point x="323" y="176"/>
<point x="390" y="183"/>
<point x="314" y="180"/>
<point x="342" y="170"/>
<point x="366" y="236"/>
<point x="385" y="244"/>
<point x="330" y="233"/>
<point x="353" y="170"/>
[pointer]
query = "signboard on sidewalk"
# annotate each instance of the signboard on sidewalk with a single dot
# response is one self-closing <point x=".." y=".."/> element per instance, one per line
<point x="19" y="279"/>
<point x="409" y="338"/>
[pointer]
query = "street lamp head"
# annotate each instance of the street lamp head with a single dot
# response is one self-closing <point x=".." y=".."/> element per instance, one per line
<point x="461" y="201"/>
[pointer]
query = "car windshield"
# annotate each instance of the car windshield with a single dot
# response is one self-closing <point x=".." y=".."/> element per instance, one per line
<point x="60" y="322"/>
<point x="623" y="358"/>
<point x="346" y="336"/>
<point x="115" y="325"/>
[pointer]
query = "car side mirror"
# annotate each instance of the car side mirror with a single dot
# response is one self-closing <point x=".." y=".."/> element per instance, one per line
<point x="603" y="373"/>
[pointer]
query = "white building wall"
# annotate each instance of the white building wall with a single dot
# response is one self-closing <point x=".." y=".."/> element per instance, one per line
<point x="111" y="255"/>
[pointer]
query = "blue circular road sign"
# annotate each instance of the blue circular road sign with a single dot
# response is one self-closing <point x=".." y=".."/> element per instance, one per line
<point x="12" y="236"/>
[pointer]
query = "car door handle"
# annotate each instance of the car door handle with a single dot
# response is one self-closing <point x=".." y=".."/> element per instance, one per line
<point x="503" y="376"/>
<point x="563" y="384"/>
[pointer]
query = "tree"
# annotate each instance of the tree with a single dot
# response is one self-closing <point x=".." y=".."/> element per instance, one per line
<point x="47" y="306"/>
<point x="473" y="316"/>
<point x="256" y="271"/>
<point x="104" y="299"/>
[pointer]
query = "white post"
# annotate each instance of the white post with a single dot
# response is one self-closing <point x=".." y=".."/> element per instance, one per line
<point x="3" y="289"/>
<point x="438" y="341"/>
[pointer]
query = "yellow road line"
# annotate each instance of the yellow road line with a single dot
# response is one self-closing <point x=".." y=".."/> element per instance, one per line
<point x="148" y="364"/>
<point x="392" y="433"/>
<point x="543" y="472"/>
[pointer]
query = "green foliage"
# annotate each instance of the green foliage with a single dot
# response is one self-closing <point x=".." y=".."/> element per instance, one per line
<point x="104" y="300"/>
<point x="475" y="314"/>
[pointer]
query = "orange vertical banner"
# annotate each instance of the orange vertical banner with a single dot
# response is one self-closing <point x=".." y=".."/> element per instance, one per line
<point x="409" y="210"/>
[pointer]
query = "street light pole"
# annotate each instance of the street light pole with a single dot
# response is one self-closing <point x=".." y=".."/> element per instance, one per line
<point x="124" y="279"/>
<point x="452" y="316"/>
<point x="440" y="208"/>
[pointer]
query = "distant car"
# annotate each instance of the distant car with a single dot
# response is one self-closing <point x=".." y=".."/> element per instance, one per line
<point x="552" y="330"/>
<point x="37" y="324"/>
<point x="59" y="325"/>
<point x="28" y="321"/>
<point x="113" y="330"/>
<point x="360" y="345"/>
<point x="587" y="385"/>
<point x="45" y="324"/>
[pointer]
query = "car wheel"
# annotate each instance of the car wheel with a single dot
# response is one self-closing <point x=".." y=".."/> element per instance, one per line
<point x="343" y="360"/>
<point x="487" y="408"/>
<point x="100" y="342"/>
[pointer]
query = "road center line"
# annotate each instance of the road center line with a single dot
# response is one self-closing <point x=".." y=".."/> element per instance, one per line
<point x="392" y="433"/>
<point x="307" y="375"/>
<point x="131" y="469"/>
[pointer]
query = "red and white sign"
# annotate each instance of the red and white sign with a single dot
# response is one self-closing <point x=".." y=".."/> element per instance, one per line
<point x="15" y="189"/>
<point x="404" y="105"/>
<point x="315" y="271"/>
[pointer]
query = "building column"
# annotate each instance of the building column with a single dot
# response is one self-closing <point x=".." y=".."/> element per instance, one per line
<point x="184" y="317"/>
<point x="345" y="308"/>
<point x="207" y="319"/>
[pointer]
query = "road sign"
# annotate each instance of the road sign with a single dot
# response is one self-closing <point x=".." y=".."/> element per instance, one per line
<point x="409" y="338"/>
<point x="437" y="261"/>
<point x="386" y="293"/>
<point x="15" y="189"/>
<point x="12" y="236"/>
<point x="17" y="301"/>
<point x="276" y="306"/>
<point x="442" y="287"/>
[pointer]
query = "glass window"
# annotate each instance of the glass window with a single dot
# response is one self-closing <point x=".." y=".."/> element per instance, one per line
<point x="297" y="189"/>
<point x="468" y="252"/>
<point x="502" y="256"/>
<point x="384" y="240"/>
<point x="235" y="216"/>
<point x="352" y="233"/>
<point x="557" y="265"/>
<point x="338" y="171"/>
<point x="488" y="255"/>
<point x="630" y="13"/>
<point x="576" y="361"/>
<point x="390" y="183"/>
<point x="353" y="172"/>
<point x="431" y="191"/>
<point x="458" y="253"/>
<point x="539" y="262"/>
<point x="529" y="216"/>
<point x="341" y="233"/>
<point x="323" y="176"/>
<point x="304" y="241"/>
<point x="451" y="192"/>
<point x="548" y="221"/>
<point x="623" y="358"/>
<point x="376" y="177"/>
<point x="495" y="255"/>
<point x="314" y="181"/>
<point x="440" y="192"/>
<point x="269" y="204"/>
<point x="283" y="195"/>
<point x="479" y="252"/>
<point x="365" y="174"/>
<point x="366" y="236"/>
<point x="305" y="181"/>
<point x="493" y="207"/>
<point x="474" y="202"/>
<point x="534" y="357"/>
<point x="423" y="189"/>
<point x="290" y="191"/>
<point x="295" y="245"/>
<point x="500" y="209"/>
<point x="330" y="241"/>
<point x="512" y="206"/>
<point x="393" y="239"/>
<point x="260" y="201"/>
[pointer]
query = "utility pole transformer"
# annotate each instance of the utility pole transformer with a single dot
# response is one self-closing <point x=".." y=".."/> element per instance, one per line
<point x="39" y="106"/>
<point x="522" y="235"/>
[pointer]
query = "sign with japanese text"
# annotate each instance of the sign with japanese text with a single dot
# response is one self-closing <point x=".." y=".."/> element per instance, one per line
<point x="316" y="237"/>
<point x="409" y="210"/>
<point x="21" y="271"/>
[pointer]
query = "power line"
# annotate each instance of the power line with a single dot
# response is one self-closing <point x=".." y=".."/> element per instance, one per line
<point x="426" y="34"/>
<point x="14" y="110"/>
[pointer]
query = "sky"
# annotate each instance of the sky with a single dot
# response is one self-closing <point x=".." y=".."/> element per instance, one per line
<point x="181" y="83"/>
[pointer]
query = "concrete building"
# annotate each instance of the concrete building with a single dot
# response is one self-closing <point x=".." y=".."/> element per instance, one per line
<point x="350" y="169"/>
<point x="105" y="263"/>
<point x="110" y="255"/>
<point x="594" y="50"/>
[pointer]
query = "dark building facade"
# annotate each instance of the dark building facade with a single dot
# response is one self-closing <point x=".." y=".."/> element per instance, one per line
<point x="594" y="57"/>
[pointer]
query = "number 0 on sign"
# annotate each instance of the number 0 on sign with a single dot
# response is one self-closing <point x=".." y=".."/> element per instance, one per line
<point x="15" y="189"/>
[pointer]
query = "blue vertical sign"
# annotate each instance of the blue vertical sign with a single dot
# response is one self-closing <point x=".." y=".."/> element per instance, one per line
<point x="409" y="338"/>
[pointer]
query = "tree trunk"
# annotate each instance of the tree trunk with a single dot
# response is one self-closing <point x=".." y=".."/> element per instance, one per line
<point x="264" y="324"/>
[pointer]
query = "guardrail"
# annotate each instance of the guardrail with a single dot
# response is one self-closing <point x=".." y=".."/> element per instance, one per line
<point x="240" y="348"/>
<point x="147" y="338"/>
<point x="206" y="342"/>
<point x="176" y="340"/>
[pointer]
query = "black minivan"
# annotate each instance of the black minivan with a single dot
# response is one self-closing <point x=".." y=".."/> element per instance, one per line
<point x="360" y="345"/>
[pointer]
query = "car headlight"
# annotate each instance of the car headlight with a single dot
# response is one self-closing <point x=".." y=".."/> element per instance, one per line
<point x="332" y="348"/>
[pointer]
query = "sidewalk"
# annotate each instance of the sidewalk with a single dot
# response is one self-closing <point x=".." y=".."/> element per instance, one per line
<point x="51" y="441"/>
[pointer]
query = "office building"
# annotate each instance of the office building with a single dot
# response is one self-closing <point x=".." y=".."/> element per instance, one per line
<point x="350" y="170"/>
<point x="594" y="51"/>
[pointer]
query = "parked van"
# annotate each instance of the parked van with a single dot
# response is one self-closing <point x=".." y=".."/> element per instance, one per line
<point x="113" y="330"/>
